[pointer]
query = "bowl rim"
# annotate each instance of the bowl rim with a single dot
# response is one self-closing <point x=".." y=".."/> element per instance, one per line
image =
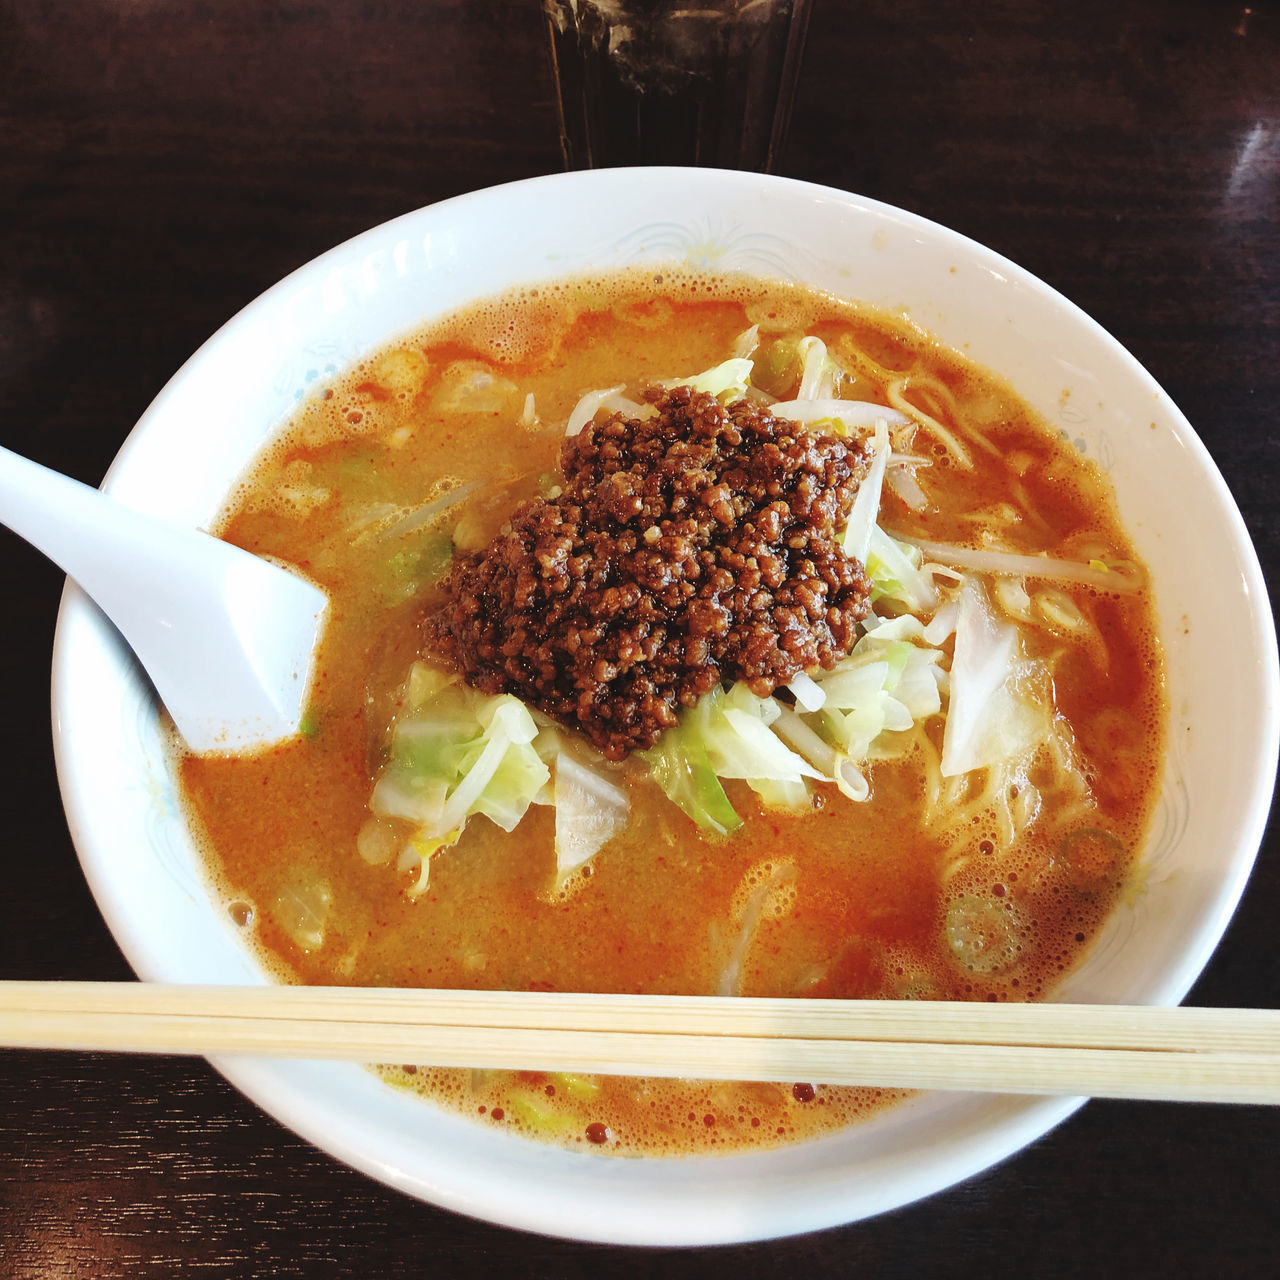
<point x="262" y="1083"/>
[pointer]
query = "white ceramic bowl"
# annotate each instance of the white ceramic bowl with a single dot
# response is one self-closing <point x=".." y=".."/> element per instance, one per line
<point x="225" y="402"/>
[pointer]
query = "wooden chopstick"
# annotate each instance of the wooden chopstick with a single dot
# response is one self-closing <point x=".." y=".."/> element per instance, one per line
<point x="1182" y="1054"/>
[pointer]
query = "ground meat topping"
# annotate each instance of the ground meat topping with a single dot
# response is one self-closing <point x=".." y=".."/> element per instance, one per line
<point x="697" y="546"/>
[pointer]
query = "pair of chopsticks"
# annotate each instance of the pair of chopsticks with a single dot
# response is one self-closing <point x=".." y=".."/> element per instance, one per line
<point x="1182" y="1054"/>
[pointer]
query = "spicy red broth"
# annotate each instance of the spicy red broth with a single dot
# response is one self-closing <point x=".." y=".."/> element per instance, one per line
<point x="984" y="885"/>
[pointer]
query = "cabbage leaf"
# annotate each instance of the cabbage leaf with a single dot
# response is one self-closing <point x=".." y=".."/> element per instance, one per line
<point x="729" y="379"/>
<point x="590" y="811"/>
<point x="989" y="719"/>
<point x="457" y="753"/>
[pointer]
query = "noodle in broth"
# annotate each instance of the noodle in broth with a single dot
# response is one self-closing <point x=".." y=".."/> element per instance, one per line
<point x="912" y="876"/>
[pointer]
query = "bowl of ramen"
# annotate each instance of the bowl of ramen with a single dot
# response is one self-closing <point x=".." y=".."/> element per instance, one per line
<point x="737" y="587"/>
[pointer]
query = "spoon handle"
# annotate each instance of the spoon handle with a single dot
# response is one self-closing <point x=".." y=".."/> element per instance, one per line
<point x="80" y="529"/>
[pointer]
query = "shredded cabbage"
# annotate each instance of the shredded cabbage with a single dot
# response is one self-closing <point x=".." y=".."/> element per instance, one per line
<point x="728" y="735"/>
<point x="888" y="683"/>
<point x="740" y="745"/>
<point x="679" y="764"/>
<point x="590" y="811"/>
<point x="728" y="379"/>
<point x="745" y="344"/>
<point x="989" y="718"/>
<point x="895" y="572"/>
<point x="866" y="506"/>
<point x="455" y="754"/>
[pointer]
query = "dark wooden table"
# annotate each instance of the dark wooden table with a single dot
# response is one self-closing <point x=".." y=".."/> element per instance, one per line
<point x="162" y="163"/>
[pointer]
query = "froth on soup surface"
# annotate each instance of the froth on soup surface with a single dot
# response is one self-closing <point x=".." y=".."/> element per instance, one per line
<point x="986" y="885"/>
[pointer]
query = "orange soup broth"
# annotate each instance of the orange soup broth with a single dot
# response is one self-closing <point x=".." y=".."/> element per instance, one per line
<point x="840" y="900"/>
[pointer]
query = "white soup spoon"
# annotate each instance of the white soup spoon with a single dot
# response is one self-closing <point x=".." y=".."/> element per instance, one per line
<point x="227" y="638"/>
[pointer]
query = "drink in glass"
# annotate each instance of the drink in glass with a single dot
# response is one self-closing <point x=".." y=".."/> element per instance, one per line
<point x="675" y="81"/>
